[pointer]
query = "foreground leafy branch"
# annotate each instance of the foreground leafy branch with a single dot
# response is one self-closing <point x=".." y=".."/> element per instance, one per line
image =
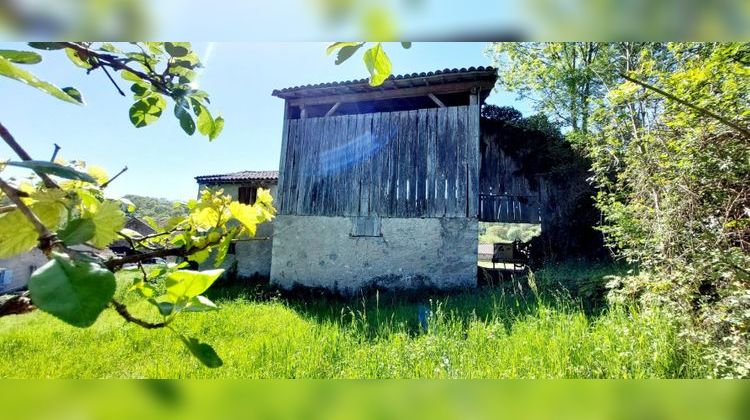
<point x="67" y="217"/>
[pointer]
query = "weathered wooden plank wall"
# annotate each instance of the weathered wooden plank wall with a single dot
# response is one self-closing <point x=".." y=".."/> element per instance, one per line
<point x="421" y="163"/>
<point x="505" y="195"/>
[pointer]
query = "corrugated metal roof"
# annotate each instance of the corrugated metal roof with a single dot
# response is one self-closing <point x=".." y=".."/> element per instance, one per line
<point x="432" y="77"/>
<point x="236" y="177"/>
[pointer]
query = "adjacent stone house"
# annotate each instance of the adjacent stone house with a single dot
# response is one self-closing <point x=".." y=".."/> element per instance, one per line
<point x="15" y="272"/>
<point x="253" y="256"/>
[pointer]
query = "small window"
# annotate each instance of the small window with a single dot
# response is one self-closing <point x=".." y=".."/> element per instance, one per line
<point x="246" y="195"/>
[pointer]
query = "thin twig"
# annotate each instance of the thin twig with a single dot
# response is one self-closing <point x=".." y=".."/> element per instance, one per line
<point x="113" y="178"/>
<point x="112" y="80"/>
<point x="123" y="311"/>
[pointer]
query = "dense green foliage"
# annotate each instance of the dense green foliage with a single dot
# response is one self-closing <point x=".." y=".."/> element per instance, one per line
<point x="160" y="210"/>
<point x="666" y="129"/>
<point x="484" y="333"/>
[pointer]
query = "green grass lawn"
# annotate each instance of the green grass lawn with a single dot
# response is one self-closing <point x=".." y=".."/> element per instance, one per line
<point x="492" y="332"/>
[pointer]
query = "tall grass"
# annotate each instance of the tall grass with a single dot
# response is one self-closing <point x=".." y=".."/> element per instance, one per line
<point x="492" y="332"/>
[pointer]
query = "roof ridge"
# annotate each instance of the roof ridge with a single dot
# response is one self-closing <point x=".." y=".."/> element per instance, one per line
<point x="391" y="77"/>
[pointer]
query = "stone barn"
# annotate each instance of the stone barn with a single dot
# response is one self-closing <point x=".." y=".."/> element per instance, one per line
<point x="379" y="186"/>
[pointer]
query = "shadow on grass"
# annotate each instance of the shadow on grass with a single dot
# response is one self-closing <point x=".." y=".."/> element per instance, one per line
<point x="568" y="287"/>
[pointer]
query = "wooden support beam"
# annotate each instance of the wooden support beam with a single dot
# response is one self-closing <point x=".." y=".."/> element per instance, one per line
<point x="333" y="109"/>
<point x="406" y="92"/>
<point x="436" y="100"/>
<point x="474" y="97"/>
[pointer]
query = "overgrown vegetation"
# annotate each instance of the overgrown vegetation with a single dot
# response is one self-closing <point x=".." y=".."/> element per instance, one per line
<point x="666" y="128"/>
<point x="490" y="233"/>
<point x="493" y="332"/>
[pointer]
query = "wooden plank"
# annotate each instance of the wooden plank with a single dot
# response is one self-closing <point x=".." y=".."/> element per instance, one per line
<point x="421" y="163"/>
<point x="431" y="198"/>
<point x="282" y="155"/>
<point x="440" y="158"/>
<point x="339" y="199"/>
<point x="377" y="162"/>
<point x="325" y="169"/>
<point x="412" y="183"/>
<point x="287" y="150"/>
<point x="450" y="161"/>
<point x="404" y="163"/>
<point x="365" y="164"/>
<point x="436" y="100"/>
<point x="392" y="174"/>
<point x="301" y="158"/>
<point x="290" y="205"/>
<point x="473" y="156"/>
<point x="462" y="138"/>
<point x="333" y="109"/>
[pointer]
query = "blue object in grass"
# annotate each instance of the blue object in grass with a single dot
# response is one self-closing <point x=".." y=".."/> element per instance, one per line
<point x="423" y="315"/>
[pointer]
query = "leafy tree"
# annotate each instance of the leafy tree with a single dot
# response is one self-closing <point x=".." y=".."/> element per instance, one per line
<point x="667" y="132"/>
<point x="66" y="208"/>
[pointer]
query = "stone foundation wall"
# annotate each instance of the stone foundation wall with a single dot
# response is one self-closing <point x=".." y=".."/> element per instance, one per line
<point x="319" y="251"/>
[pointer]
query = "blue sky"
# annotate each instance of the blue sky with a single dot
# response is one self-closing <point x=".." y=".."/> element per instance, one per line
<point x="161" y="158"/>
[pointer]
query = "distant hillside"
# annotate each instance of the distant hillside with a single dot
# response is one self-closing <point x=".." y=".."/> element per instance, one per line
<point x="161" y="209"/>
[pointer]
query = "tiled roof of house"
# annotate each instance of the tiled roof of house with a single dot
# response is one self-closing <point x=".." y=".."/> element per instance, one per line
<point x="392" y="82"/>
<point x="238" y="177"/>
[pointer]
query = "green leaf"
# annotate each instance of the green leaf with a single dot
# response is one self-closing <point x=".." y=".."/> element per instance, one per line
<point x="21" y="57"/>
<point x="346" y="52"/>
<point x="205" y="121"/>
<point x="218" y="127"/>
<point x="17" y="234"/>
<point x="147" y="110"/>
<point x="130" y="76"/>
<point x="108" y="220"/>
<point x="186" y="121"/>
<point x="7" y="69"/>
<point x="200" y="304"/>
<point x="245" y="214"/>
<point x="74" y="93"/>
<point x="223" y="248"/>
<point x="177" y="49"/>
<point x="74" y="292"/>
<point x="378" y="64"/>
<point x="77" y="58"/>
<point x="51" y="168"/>
<point x="139" y="91"/>
<point x="47" y="45"/>
<point x="336" y="46"/>
<point x="77" y="231"/>
<point x="203" y="352"/>
<point x="201" y="256"/>
<point x="406" y="45"/>
<point x="185" y="284"/>
<point x="108" y="47"/>
<point x="165" y="308"/>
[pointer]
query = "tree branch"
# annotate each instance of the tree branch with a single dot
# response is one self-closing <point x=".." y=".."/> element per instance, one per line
<point x="46" y="238"/>
<point x="744" y="131"/>
<point x="123" y="311"/>
<point x="5" y="134"/>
